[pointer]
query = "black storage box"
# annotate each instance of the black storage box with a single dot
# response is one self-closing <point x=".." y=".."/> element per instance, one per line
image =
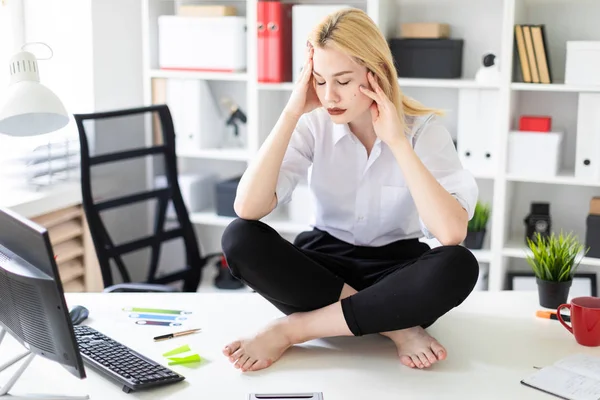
<point x="427" y="58"/>
<point x="592" y="235"/>
<point x="225" y="196"/>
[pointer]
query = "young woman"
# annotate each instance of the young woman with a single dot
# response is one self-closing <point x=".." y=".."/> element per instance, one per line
<point x="384" y="173"/>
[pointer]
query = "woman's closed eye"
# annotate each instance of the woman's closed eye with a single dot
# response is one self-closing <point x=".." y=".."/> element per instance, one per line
<point x="340" y="83"/>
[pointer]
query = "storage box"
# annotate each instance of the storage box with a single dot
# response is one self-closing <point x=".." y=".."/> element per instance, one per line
<point x="583" y="63"/>
<point x="197" y="191"/>
<point x="534" y="154"/>
<point x="197" y="10"/>
<point x="424" y="30"/>
<point x="428" y="58"/>
<point x="595" y="206"/>
<point x="225" y="196"/>
<point x="592" y="235"/>
<point x="535" y="123"/>
<point x="202" y="43"/>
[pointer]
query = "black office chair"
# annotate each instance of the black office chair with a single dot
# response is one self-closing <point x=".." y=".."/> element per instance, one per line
<point x="104" y="124"/>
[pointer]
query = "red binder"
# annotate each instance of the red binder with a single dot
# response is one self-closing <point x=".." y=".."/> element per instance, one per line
<point x="263" y="57"/>
<point x="279" y="42"/>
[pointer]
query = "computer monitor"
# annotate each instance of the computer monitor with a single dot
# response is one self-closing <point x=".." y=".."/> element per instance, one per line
<point x="32" y="304"/>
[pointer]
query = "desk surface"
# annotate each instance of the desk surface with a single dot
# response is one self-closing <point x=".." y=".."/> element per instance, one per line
<point x="493" y="341"/>
<point x="31" y="203"/>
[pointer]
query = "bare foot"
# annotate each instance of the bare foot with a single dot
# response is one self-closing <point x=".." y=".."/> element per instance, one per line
<point x="262" y="350"/>
<point x="416" y="348"/>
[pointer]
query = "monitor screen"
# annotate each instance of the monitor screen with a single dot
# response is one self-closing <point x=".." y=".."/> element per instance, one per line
<point x="32" y="303"/>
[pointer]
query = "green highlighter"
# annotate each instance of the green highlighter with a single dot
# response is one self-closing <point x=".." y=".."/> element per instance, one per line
<point x="178" y="350"/>
<point x="184" y="360"/>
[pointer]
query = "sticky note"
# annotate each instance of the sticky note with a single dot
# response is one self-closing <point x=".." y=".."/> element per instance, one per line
<point x="184" y="360"/>
<point x="178" y="350"/>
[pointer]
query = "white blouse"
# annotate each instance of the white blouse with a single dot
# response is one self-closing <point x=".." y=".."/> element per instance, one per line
<point x="362" y="200"/>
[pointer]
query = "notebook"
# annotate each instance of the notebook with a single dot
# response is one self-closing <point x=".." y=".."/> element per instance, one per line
<point x="576" y="377"/>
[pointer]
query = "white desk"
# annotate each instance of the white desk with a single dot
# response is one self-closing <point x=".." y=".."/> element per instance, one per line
<point x="493" y="340"/>
<point x="30" y="203"/>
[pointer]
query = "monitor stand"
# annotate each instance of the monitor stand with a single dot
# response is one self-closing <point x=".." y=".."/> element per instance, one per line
<point x="28" y="358"/>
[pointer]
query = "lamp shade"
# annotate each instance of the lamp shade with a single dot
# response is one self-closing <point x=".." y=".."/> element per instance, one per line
<point x="29" y="108"/>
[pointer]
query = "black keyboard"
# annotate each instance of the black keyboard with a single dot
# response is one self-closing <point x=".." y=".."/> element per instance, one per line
<point x="121" y="363"/>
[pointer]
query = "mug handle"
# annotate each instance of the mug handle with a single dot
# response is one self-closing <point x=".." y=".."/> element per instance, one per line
<point x="562" y="321"/>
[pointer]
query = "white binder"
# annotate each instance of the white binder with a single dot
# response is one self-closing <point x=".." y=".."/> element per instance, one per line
<point x="587" y="149"/>
<point x="477" y="127"/>
<point x="196" y="117"/>
<point x="304" y="18"/>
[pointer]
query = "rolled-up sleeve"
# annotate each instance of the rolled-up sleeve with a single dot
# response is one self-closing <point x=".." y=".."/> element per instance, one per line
<point x="434" y="146"/>
<point x="296" y="161"/>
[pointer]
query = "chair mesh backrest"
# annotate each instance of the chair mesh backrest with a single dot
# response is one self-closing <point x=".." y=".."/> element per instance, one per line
<point x="115" y="129"/>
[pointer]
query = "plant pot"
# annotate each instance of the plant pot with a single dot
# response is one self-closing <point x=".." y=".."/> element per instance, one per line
<point x="474" y="239"/>
<point x="553" y="294"/>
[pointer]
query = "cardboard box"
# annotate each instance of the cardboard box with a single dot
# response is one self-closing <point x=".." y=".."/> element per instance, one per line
<point x="192" y="10"/>
<point x="424" y="30"/>
<point x="595" y="206"/>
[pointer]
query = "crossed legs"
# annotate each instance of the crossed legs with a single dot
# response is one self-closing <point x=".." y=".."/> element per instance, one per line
<point x="318" y="302"/>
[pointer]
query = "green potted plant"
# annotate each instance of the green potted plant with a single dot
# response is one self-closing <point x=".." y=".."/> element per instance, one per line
<point x="476" y="228"/>
<point x="554" y="260"/>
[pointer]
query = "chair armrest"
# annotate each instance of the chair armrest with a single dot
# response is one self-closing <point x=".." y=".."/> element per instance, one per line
<point x="140" y="287"/>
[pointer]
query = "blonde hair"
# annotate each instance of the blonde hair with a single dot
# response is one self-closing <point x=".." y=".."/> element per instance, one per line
<point x="353" y="32"/>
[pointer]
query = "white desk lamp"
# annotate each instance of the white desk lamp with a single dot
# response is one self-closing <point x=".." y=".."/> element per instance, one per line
<point x="29" y="108"/>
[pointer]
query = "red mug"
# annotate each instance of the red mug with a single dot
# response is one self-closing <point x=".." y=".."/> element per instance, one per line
<point x="585" y="320"/>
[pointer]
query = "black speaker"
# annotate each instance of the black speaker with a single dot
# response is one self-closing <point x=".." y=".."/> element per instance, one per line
<point x="538" y="221"/>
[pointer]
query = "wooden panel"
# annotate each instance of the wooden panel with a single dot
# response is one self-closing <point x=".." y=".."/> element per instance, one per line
<point x="76" y="285"/>
<point x="68" y="250"/>
<point x="71" y="270"/>
<point x="93" y="276"/>
<point x="65" y="231"/>
<point x="58" y="217"/>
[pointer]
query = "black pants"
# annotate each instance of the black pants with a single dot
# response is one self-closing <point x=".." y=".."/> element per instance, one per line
<point x="400" y="285"/>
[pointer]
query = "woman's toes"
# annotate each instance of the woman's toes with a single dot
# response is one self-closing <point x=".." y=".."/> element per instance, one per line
<point x="241" y="361"/>
<point x="438" y="350"/>
<point x="416" y="361"/>
<point x="236" y="356"/>
<point x="231" y="348"/>
<point x="430" y="356"/>
<point x="424" y="360"/>
<point x="248" y="364"/>
<point x="406" y="360"/>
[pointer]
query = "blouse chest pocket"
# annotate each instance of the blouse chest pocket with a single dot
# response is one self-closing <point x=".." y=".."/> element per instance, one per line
<point x="397" y="209"/>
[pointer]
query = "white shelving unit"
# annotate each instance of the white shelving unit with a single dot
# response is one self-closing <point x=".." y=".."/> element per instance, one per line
<point x="485" y="25"/>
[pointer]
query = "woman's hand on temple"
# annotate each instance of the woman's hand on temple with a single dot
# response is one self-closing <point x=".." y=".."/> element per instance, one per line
<point x="304" y="98"/>
<point x="386" y="121"/>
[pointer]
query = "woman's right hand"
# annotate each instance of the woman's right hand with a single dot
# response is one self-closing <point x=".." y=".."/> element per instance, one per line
<point x="304" y="98"/>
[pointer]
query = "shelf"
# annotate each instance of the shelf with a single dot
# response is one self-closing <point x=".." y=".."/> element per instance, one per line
<point x="553" y="87"/>
<point x="211" y="218"/>
<point x="212" y="76"/>
<point x="518" y="249"/>
<point x="404" y="82"/>
<point x="276" y="86"/>
<point x="483" y="255"/>
<point x="444" y="83"/>
<point x="215" y="154"/>
<point x="563" y="178"/>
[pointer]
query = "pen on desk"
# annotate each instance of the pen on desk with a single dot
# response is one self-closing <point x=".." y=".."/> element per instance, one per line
<point x="552" y="315"/>
<point x="176" y="334"/>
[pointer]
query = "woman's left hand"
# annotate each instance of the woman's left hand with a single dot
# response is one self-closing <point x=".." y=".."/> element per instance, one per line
<point x="385" y="118"/>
